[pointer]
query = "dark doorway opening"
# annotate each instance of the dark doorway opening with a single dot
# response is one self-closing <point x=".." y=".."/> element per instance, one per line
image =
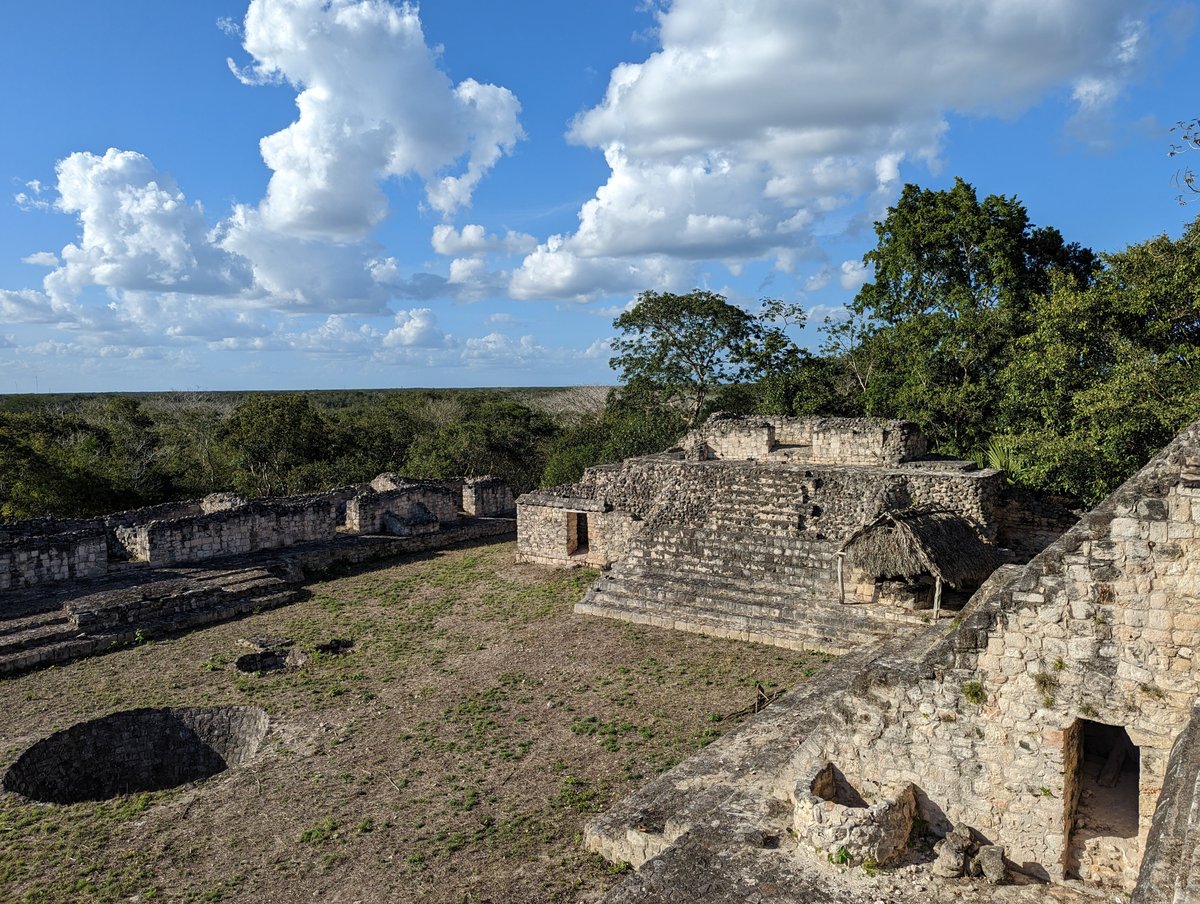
<point x="577" y="533"/>
<point x="1101" y="798"/>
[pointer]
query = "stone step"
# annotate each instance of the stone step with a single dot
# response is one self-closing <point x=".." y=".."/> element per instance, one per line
<point x="26" y="623"/>
<point x="798" y="611"/>
<point x="832" y="639"/>
<point x="776" y="545"/>
<point x="718" y="537"/>
<point x="741" y="569"/>
<point x="65" y="648"/>
<point x="140" y="605"/>
<point x="39" y="636"/>
<point x="683" y="592"/>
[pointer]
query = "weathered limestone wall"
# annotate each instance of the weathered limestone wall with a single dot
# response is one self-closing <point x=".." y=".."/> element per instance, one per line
<point x="735" y="438"/>
<point x="548" y="535"/>
<point x="126" y="534"/>
<point x="373" y="512"/>
<point x="30" y="560"/>
<point x="1027" y="525"/>
<point x="46" y="550"/>
<point x="259" y="524"/>
<point x="813" y="502"/>
<point x="846" y="441"/>
<point x="488" y="497"/>
<point x="1102" y="626"/>
<point x="1170" y="872"/>
<point x="828" y="500"/>
<point x="866" y="441"/>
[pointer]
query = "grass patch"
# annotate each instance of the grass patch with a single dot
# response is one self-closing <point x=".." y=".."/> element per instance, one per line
<point x="475" y="724"/>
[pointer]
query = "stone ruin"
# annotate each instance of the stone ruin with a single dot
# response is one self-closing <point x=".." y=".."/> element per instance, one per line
<point x="70" y="588"/>
<point x="136" y="750"/>
<point x="1046" y="732"/>
<point x="747" y="530"/>
<point x="50" y="550"/>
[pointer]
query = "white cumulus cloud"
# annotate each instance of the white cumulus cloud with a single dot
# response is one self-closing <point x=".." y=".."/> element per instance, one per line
<point x="755" y="120"/>
<point x="415" y="328"/>
<point x="854" y="275"/>
<point x="473" y="239"/>
<point x="137" y="231"/>
<point x="373" y="104"/>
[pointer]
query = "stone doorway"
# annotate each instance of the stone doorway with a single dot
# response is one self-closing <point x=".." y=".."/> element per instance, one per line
<point x="1101" y="798"/>
<point x="577" y="533"/>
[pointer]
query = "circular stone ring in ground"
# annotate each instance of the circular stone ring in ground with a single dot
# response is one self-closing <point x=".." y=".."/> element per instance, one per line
<point x="136" y="750"/>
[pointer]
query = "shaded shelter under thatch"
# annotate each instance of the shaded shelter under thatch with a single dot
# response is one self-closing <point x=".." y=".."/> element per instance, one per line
<point x="925" y="540"/>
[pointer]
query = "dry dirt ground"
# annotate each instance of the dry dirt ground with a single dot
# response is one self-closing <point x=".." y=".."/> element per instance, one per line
<point x="453" y="754"/>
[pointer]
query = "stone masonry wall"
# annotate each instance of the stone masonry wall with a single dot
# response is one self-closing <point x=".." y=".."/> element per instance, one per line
<point x="828" y="500"/>
<point x="820" y="503"/>
<point x="487" y="497"/>
<point x="1027" y="525"/>
<point x="260" y="524"/>
<point x="544" y="535"/>
<point x="43" y="550"/>
<point x="845" y="441"/>
<point x="368" y="512"/>
<point x="32" y="560"/>
<point x="1102" y="626"/>
<point x="126" y="534"/>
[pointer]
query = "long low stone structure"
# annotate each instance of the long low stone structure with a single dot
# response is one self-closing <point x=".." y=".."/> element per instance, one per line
<point x="48" y="551"/>
<point x="81" y="552"/>
<point x="56" y="623"/>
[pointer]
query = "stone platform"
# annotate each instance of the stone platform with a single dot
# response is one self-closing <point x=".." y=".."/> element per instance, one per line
<point x="740" y="584"/>
<point x="55" y="623"/>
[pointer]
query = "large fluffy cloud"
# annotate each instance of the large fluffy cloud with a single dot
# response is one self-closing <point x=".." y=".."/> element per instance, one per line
<point x="138" y="231"/>
<point x="755" y="119"/>
<point x="373" y="103"/>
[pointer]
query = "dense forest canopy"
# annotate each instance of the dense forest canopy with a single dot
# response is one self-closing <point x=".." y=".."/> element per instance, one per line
<point x="1004" y="341"/>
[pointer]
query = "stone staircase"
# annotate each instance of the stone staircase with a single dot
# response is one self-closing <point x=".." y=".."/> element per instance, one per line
<point x="740" y="582"/>
<point x="107" y="614"/>
<point x="55" y="623"/>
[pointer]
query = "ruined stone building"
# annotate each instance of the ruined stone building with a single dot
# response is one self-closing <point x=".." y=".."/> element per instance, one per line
<point x="742" y="531"/>
<point x="1044" y="724"/>
<point x="69" y="588"/>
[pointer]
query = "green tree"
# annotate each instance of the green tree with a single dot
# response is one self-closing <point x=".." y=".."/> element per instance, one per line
<point x="688" y="345"/>
<point x="1108" y="374"/>
<point x="497" y="437"/>
<point x="273" y="439"/>
<point x="954" y="281"/>
<point x="636" y="421"/>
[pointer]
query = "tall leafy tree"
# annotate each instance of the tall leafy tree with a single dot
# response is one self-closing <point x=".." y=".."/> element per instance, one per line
<point x="686" y="346"/>
<point x="955" y="280"/>
<point x="1108" y="373"/>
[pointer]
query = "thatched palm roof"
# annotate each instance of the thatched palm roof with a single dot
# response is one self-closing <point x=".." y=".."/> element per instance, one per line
<point x="923" y="540"/>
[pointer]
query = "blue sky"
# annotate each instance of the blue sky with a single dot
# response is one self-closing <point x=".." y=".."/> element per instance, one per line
<point x="360" y="193"/>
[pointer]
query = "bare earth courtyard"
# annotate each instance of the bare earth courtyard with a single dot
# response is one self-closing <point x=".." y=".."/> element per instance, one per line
<point x="452" y="752"/>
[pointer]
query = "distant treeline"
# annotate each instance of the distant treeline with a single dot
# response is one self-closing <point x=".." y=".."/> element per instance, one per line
<point x="88" y="454"/>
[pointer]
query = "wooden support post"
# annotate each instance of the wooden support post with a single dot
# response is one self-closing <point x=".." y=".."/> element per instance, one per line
<point x="841" y="557"/>
<point x="937" y="597"/>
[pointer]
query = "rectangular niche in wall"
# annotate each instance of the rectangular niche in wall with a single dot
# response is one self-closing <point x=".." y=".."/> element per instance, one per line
<point x="577" y="533"/>
<point x="1101" y="804"/>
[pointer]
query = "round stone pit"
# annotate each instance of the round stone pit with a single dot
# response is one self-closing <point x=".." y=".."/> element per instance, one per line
<point x="136" y="750"/>
<point x="831" y="814"/>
